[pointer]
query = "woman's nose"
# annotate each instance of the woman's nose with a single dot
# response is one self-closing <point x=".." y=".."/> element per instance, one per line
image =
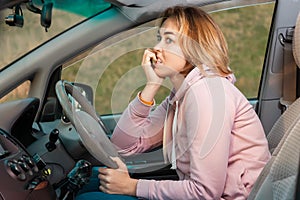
<point x="157" y="48"/>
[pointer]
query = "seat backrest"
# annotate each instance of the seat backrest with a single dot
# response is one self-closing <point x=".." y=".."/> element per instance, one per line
<point x="283" y="125"/>
<point x="278" y="178"/>
<point x="284" y="170"/>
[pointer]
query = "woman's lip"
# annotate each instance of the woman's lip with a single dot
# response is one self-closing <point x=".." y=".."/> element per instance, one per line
<point x="158" y="61"/>
<point x="156" y="64"/>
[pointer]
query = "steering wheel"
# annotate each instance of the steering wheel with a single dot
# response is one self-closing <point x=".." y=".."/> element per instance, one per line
<point x="87" y="123"/>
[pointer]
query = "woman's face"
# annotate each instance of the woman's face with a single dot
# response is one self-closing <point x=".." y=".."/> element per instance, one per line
<point x="170" y="58"/>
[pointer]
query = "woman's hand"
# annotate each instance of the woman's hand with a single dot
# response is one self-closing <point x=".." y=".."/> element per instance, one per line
<point x="153" y="80"/>
<point x="117" y="181"/>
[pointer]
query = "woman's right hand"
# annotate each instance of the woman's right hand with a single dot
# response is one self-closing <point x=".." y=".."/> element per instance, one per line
<point x="149" y="58"/>
<point x="153" y="80"/>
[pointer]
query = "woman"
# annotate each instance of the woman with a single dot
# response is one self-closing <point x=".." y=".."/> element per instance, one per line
<point x="210" y="133"/>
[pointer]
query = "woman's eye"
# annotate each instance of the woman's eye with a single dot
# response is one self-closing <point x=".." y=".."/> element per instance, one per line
<point x="169" y="40"/>
<point x="158" y="38"/>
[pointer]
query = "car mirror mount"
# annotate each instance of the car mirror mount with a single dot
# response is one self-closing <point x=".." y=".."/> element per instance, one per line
<point x="17" y="19"/>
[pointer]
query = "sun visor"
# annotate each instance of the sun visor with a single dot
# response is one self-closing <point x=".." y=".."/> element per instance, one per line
<point x="141" y="10"/>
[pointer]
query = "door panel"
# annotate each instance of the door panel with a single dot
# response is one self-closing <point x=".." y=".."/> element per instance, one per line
<point x="269" y="108"/>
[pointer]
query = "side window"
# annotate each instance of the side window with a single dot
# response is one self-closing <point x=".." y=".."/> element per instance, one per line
<point x="113" y="69"/>
<point x="20" y="92"/>
<point x="246" y="30"/>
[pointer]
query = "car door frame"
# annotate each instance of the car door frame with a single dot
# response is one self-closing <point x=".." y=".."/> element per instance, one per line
<point x="269" y="107"/>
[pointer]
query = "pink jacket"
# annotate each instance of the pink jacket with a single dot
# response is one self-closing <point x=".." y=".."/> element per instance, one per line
<point x="220" y="146"/>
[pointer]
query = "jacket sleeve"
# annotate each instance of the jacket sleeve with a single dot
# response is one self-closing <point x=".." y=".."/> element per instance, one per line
<point x="139" y="129"/>
<point x="208" y="118"/>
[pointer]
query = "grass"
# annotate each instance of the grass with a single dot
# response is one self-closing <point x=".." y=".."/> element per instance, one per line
<point x="247" y="34"/>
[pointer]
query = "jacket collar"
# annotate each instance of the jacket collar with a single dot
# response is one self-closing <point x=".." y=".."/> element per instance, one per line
<point x="189" y="80"/>
<point x="194" y="76"/>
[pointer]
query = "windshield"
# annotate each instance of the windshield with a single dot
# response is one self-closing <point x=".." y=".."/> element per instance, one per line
<point x="16" y="41"/>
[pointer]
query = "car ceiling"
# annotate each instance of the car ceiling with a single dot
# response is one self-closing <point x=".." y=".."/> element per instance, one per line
<point x="140" y="10"/>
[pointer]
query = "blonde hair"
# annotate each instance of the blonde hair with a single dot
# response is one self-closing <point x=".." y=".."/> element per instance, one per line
<point x="201" y="39"/>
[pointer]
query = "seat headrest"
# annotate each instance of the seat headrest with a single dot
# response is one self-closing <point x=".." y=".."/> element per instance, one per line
<point x="296" y="42"/>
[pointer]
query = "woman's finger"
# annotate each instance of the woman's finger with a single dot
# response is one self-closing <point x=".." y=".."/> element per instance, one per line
<point x="103" y="183"/>
<point x="149" y="55"/>
<point x="103" y="189"/>
<point x="103" y="170"/>
<point x="104" y="177"/>
<point x="101" y="176"/>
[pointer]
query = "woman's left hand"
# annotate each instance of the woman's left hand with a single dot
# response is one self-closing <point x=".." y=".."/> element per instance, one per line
<point x="117" y="181"/>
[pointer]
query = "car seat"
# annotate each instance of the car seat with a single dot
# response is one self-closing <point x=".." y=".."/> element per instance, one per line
<point x="278" y="178"/>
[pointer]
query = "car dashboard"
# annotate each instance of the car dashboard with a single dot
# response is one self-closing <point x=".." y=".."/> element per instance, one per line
<point x="22" y="174"/>
<point x="31" y="170"/>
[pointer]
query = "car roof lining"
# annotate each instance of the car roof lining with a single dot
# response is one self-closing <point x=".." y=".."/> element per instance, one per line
<point x="142" y="10"/>
<point x="146" y="10"/>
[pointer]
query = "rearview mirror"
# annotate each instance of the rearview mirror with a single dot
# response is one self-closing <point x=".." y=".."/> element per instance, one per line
<point x="46" y="15"/>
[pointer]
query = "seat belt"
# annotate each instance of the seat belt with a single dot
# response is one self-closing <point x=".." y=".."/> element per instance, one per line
<point x="289" y="70"/>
